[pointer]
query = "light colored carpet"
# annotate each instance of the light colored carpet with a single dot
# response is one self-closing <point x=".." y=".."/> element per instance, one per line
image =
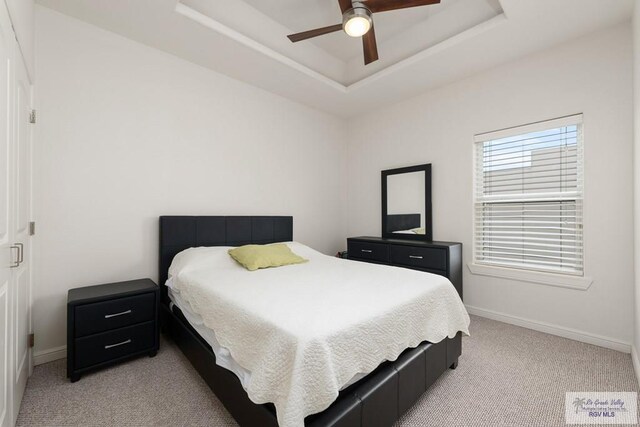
<point x="508" y="376"/>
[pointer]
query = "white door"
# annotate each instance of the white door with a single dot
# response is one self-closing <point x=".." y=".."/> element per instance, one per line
<point x="7" y="254"/>
<point x="22" y="190"/>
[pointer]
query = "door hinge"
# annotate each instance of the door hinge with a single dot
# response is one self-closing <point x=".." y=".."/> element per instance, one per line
<point x="32" y="340"/>
<point x="32" y="116"/>
<point x="32" y="228"/>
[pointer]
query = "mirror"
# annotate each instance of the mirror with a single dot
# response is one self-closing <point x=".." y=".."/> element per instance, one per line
<point x="406" y="203"/>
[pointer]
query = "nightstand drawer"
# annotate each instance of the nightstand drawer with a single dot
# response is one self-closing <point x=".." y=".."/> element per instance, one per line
<point x="368" y="251"/>
<point x="432" y="258"/>
<point x="116" y="313"/>
<point x="106" y="346"/>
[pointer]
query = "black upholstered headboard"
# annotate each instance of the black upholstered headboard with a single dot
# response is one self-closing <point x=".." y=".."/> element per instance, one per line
<point x="400" y="222"/>
<point x="178" y="233"/>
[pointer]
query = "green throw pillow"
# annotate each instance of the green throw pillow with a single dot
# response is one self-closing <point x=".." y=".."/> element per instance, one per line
<point x="419" y="230"/>
<point x="253" y="257"/>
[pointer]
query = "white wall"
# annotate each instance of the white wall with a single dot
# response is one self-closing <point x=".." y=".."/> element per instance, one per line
<point x="636" y="178"/>
<point x="127" y="133"/>
<point x="592" y="75"/>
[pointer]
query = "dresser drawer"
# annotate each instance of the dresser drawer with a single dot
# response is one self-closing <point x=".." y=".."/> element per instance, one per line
<point x="116" y="313"/>
<point x="111" y="345"/>
<point x="368" y="251"/>
<point x="430" y="258"/>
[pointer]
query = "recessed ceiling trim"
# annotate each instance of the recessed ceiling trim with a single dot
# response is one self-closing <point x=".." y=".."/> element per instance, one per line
<point x="220" y="28"/>
<point x="226" y="31"/>
<point x="436" y="48"/>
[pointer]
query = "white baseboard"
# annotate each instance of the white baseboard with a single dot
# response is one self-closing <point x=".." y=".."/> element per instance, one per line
<point x="49" y="355"/>
<point x="548" y="328"/>
<point x="636" y="362"/>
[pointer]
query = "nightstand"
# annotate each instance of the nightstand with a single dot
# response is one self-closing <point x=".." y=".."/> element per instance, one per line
<point x="110" y="323"/>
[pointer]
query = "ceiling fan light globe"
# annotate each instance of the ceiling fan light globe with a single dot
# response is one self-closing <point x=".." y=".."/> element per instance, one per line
<point x="357" y="21"/>
<point x="357" y="26"/>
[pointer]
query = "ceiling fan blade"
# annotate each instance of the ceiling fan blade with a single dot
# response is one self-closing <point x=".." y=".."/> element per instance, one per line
<point x="370" y="47"/>
<point x="314" y="33"/>
<point x="345" y="5"/>
<point x="387" y="5"/>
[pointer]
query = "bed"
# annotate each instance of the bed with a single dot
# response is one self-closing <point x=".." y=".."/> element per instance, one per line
<point x="378" y="399"/>
<point x="404" y="223"/>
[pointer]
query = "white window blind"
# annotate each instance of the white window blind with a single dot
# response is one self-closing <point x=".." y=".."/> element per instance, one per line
<point x="528" y="197"/>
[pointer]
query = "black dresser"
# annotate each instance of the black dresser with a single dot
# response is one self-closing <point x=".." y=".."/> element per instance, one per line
<point x="110" y="323"/>
<point x="443" y="258"/>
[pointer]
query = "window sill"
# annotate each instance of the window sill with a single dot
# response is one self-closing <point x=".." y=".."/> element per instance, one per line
<point x="563" y="281"/>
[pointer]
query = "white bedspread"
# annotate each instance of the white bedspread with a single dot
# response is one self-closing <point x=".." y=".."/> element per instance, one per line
<point x="303" y="331"/>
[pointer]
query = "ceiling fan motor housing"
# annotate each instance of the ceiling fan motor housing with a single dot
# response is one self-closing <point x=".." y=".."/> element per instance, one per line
<point x="357" y="21"/>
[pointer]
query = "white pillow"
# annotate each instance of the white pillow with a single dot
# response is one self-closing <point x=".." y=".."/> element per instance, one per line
<point x="194" y="257"/>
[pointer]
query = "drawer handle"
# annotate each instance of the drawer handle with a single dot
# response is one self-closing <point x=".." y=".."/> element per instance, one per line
<point x="107" y="347"/>
<point x="122" y="313"/>
<point x="366" y="250"/>
<point x="415" y="257"/>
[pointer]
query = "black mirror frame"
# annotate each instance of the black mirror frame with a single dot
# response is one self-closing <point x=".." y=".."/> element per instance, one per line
<point x="428" y="220"/>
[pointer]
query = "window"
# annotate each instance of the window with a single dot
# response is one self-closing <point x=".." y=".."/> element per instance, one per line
<point x="528" y="197"/>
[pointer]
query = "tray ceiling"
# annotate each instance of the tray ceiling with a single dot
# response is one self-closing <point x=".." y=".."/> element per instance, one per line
<point x="401" y="33"/>
<point x="420" y="48"/>
<point x="301" y="15"/>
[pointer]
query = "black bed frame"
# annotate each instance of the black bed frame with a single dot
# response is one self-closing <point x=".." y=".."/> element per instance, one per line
<point x="397" y="222"/>
<point x="379" y="399"/>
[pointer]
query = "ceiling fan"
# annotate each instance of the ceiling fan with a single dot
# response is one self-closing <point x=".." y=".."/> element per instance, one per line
<point x="357" y="21"/>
